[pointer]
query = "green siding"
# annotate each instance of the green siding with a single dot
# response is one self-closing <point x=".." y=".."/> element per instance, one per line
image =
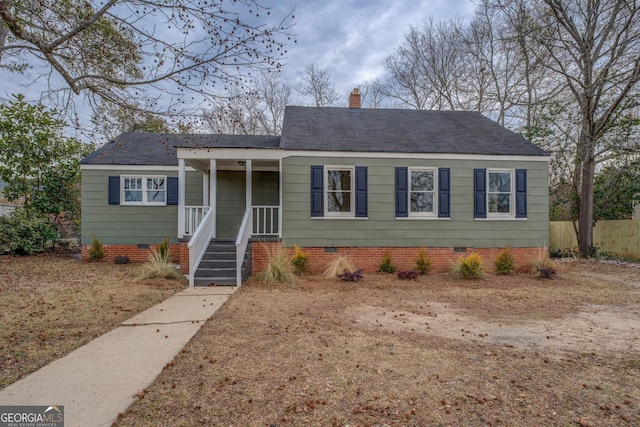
<point x="114" y="224"/>
<point x="383" y="229"/>
<point x="231" y="198"/>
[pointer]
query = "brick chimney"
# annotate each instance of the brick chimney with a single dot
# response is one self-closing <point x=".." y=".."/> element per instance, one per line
<point x="354" y="98"/>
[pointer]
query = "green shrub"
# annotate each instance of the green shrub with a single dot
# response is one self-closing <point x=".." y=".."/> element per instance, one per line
<point x="160" y="266"/>
<point x="505" y="263"/>
<point x="385" y="264"/>
<point x="25" y="233"/>
<point x="300" y="261"/>
<point x="96" y="251"/>
<point x="279" y="268"/>
<point x="422" y="262"/>
<point x="338" y="265"/>
<point x="469" y="267"/>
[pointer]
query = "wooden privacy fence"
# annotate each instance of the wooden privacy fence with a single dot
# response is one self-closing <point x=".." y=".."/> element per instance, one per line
<point x="621" y="237"/>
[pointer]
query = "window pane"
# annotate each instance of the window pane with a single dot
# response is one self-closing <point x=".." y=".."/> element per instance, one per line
<point x="421" y="202"/>
<point x="422" y="180"/>
<point x="155" y="196"/>
<point x="133" y="195"/>
<point x="155" y="184"/>
<point x="339" y="201"/>
<point x="338" y="180"/>
<point x="500" y="182"/>
<point x="499" y="203"/>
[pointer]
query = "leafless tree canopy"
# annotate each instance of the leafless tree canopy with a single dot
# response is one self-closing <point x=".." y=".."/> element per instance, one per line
<point x="125" y="52"/>
<point x="317" y="85"/>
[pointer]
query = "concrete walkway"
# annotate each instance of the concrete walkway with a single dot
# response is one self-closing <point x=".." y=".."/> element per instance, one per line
<point x="99" y="380"/>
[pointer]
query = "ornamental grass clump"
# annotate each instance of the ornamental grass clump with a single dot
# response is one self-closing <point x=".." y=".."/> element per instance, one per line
<point x="543" y="266"/>
<point x="422" y="262"/>
<point x="469" y="267"/>
<point x="505" y="263"/>
<point x="385" y="264"/>
<point x="300" y="261"/>
<point x="338" y="265"/>
<point x="279" y="268"/>
<point x="159" y="264"/>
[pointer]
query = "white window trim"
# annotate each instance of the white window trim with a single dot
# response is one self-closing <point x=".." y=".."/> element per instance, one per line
<point x="512" y="198"/>
<point x="423" y="215"/>
<point x="325" y="195"/>
<point x="144" y="201"/>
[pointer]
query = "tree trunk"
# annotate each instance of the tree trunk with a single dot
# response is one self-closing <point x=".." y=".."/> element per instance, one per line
<point x="585" y="224"/>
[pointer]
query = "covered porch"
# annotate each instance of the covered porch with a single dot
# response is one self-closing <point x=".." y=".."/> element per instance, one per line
<point x="241" y="198"/>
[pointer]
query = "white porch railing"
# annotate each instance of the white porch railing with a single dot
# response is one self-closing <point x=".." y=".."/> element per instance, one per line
<point x="242" y="241"/>
<point x="193" y="216"/>
<point x="266" y="220"/>
<point x="199" y="242"/>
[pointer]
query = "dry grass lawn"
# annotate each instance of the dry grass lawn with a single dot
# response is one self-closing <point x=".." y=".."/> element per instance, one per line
<point x="53" y="304"/>
<point x="439" y="351"/>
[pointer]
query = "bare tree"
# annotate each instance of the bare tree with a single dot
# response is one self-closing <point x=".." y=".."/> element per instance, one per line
<point x="595" y="47"/>
<point x="125" y="52"/>
<point x="258" y="110"/>
<point x="317" y="85"/>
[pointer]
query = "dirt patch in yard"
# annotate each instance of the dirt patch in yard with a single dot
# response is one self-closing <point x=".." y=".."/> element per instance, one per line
<point x="439" y="351"/>
<point x="52" y="304"/>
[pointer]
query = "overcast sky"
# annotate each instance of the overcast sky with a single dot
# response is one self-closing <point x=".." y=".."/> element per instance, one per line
<point x="352" y="38"/>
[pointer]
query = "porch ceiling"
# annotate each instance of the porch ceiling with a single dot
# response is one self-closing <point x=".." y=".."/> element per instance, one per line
<point x="235" y="165"/>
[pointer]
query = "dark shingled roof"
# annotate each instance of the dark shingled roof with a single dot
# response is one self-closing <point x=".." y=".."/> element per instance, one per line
<point x="403" y="131"/>
<point x="159" y="149"/>
<point x="336" y="129"/>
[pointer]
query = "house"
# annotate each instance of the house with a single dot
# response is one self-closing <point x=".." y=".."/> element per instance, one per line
<point x="346" y="180"/>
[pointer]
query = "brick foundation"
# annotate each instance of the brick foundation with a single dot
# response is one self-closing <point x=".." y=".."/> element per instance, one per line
<point x="368" y="258"/>
<point x="137" y="253"/>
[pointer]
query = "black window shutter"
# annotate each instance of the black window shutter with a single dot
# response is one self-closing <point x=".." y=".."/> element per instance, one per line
<point x="317" y="186"/>
<point x="172" y="190"/>
<point x="114" y="190"/>
<point x="521" y="193"/>
<point x="361" y="192"/>
<point x="444" y="192"/>
<point x="480" y="193"/>
<point x="402" y="192"/>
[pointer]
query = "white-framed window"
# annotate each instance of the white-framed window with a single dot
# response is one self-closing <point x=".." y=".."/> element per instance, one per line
<point x="339" y="191"/>
<point x="500" y="193"/>
<point x="143" y="190"/>
<point x="423" y="192"/>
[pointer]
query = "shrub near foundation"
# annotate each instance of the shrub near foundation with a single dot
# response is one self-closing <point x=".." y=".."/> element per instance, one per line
<point x="300" y="261"/>
<point x="505" y="263"/>
<point x="469" y="267"/>
<point x="338" y="265"/>
<point x="385" y="264"/>
<point x="422" y="262"/>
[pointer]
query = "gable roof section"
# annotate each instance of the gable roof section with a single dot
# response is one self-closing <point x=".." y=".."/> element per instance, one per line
<point x="400" y="131"/>
<point x="151" y="149"/>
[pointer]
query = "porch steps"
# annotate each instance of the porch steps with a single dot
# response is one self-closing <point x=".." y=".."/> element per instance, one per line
<point x="218" y="266"/>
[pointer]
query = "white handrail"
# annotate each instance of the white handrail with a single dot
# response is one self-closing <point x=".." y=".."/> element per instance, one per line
<point x="199" y="243"/>
<point x="242" y="241"/>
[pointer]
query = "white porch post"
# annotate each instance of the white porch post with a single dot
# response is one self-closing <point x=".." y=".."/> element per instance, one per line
<point x="205" y="189"/>
<point x="213" y="182"/>
<point x="248" y="190"/>
<point x="182" y="185"/>
<point x="280" y="198"/>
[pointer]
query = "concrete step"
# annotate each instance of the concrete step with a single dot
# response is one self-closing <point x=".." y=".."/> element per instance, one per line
<point x="215" y="272"/>
<point x="206" y="281"/>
